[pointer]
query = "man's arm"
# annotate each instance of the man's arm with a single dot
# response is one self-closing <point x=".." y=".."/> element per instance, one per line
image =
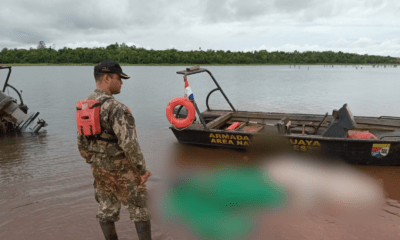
<point x="82" y="146"/>
<point x="124" y="128"/>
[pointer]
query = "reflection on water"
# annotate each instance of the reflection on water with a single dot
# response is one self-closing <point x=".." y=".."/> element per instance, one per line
<point x="16" y="151"/>
<point x="46" y="187"/>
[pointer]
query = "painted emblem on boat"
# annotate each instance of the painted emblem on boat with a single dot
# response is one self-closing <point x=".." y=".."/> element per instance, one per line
<point x="380" y="150"/>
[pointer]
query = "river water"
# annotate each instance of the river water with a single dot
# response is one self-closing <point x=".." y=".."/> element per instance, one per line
<point x="46" y="187"/>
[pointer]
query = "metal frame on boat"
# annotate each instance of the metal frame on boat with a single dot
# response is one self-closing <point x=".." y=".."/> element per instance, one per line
<point x="354" y="139"/>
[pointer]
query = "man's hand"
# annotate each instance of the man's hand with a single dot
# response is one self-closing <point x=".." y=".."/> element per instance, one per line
<point x="144" y="177"/>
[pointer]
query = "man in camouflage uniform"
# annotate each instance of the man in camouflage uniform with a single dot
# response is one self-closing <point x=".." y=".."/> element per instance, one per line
<point x="115" y="157"/>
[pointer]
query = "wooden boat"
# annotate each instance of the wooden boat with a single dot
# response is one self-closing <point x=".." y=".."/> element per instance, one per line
<point x="354" y="139"/>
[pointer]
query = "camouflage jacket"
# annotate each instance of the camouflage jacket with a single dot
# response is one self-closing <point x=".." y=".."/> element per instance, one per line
<point x="116" y="121"/>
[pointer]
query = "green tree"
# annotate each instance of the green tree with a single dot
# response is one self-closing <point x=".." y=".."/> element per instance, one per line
<point x="41" y="45"/>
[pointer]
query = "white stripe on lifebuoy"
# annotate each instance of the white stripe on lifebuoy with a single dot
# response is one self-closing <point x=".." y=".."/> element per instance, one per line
<point x="180" y="122"/>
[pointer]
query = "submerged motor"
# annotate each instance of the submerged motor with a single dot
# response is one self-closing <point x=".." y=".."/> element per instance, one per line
<point x="14" y="117"/>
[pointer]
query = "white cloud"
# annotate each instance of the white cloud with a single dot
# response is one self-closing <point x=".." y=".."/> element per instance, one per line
<point x="360" y="46"/>
<point x="340" y="43"/>
<point x="310" y="25"/>
<point x="363" y="43"/>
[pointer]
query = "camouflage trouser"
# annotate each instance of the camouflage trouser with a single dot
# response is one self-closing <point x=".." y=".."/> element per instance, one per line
<point x="114" y="187"/>
<point x="3" y="128"/>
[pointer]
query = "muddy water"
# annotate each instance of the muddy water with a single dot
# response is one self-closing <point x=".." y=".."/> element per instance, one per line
<point x="46" y="188"/>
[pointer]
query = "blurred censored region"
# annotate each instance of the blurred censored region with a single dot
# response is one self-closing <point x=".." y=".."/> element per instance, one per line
<point x="228" y="194"/>
<point x="221" y="204"/>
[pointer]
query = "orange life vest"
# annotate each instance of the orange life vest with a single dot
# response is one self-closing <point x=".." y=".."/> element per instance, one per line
<point x="88" y="119"/>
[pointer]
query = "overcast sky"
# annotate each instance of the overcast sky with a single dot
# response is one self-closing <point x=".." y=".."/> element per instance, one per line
<point x="356" y="26"/>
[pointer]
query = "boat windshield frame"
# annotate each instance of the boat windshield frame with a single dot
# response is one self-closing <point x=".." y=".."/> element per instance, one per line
<point x="8" y="85"/>
<point x="218" y="88"/>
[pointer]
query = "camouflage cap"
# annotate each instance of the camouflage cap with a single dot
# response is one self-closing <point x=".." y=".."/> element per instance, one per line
<point x="108" y="66"/>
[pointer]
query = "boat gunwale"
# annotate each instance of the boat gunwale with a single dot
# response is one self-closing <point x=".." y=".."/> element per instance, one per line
<point x="224" y="115"/>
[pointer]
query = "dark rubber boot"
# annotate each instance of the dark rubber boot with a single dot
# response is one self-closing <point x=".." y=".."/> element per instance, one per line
<point x="143" y="230"/>
<point x="108" y="229"/>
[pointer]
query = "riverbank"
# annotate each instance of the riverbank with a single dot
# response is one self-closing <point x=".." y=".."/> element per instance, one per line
<point x="188" y="64"/>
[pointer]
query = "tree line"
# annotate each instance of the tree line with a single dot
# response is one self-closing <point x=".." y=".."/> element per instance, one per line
<point x="132" y="55"/>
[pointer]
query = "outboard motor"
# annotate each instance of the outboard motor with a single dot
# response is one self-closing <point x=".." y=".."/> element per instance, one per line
<point x="14" y="116"/>
<point x="341" y="123"/>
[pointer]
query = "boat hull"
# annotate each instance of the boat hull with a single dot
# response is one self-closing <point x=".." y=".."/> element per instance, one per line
<point x="354" y="151"/>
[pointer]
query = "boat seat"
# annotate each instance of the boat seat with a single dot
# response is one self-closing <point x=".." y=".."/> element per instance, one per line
<point x="283" y="125"/>
<point x="218" y="122"/>
<point x="343" y="122"/>
<point x="309" y="130"/>
<point x="252" y="128"/>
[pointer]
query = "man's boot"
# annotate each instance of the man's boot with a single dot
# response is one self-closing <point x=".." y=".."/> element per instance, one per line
<point x="143" y="230"/>
<point x="108" y="229"/>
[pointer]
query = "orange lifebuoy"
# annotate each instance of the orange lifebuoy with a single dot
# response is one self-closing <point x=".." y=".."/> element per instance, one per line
<point x="180" y="122"/>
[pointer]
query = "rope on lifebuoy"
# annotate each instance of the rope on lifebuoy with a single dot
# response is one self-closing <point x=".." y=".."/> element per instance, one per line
<point x="180" y="122"/>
